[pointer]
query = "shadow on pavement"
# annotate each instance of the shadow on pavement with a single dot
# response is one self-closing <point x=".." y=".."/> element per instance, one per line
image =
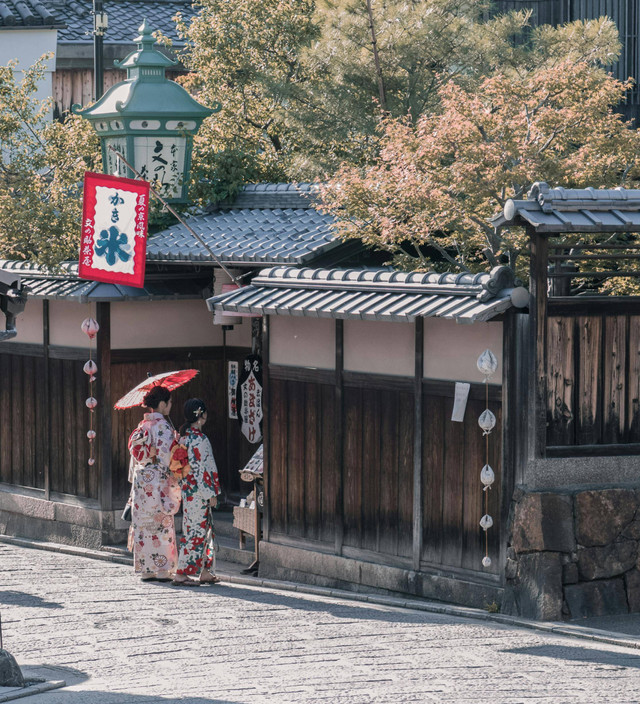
<point x="313" y="603"/>
<point x="14" y="598"/>
<point x="576" y="654"/>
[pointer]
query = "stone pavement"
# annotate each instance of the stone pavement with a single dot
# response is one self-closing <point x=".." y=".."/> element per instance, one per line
<point x="116" y="640"/>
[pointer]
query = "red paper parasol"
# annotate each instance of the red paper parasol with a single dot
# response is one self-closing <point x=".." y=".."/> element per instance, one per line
<point x="170" y="381"/>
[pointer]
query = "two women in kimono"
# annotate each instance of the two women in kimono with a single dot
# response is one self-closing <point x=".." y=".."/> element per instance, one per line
<point x="157" y="491"/>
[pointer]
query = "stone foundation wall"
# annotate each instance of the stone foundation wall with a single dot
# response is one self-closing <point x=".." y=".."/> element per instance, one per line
<point x="574" y="554"/>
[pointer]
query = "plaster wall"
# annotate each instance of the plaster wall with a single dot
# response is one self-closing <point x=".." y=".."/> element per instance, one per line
<point x="159" y="324"/>
<point x="27" y="46"/>
<point x="65" y="318"/>
<point x="302" y="342"/>
<point x="451" y="350"/>
<point x="379" y="347"/>
<point x="28" y="324"/>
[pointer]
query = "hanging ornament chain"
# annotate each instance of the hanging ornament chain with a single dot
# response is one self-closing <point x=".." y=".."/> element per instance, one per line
<point x="487" y="365"/>
<point x="90" y="327"/>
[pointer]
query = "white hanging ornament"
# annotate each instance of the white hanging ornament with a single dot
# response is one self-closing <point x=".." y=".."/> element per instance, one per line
<point x="91" y="403"/>
<point x="486" y="561"/>
<point x="90" y="327"/>
<point x="486" y="522"/>
<point x="91" y="461"/>
<point x="487" y="477"/>
<point x="90" y="368"/>
<point x="487" y="421"/>
<point x="487" y="363"/>
<point x="91" y="434"/>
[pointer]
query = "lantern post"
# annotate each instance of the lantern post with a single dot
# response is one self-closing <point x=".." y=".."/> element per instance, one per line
<point x="150" y="120"/>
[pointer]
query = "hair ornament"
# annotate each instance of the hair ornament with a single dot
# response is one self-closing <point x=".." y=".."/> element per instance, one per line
<point x="198" y="412"/>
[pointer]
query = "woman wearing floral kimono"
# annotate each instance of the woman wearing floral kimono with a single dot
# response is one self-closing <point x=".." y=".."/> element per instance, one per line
<point x="155" y="493"/>
<point x="200" y="487"/>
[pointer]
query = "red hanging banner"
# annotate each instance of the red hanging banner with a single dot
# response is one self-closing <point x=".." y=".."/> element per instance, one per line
<point x="114" y="230"/>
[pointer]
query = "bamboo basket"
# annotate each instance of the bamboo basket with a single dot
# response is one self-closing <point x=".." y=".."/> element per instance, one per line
<point x="244" y="519"/>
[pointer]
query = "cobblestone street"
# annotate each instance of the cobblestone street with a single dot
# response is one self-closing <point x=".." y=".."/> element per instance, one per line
<point x="114" y="639"/>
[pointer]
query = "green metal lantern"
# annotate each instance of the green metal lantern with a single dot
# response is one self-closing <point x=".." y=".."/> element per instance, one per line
<point x="148" y="119"/>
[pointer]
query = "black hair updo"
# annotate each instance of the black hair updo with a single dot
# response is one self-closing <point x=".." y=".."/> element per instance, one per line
<point x="194" y="408"/>
<point x="156" y="396"/>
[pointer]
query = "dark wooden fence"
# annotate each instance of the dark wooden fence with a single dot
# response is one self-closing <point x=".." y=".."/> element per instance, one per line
<point x="593" y="379"/>
<point x="362" y="498"/>
<point x="43" y="424"/>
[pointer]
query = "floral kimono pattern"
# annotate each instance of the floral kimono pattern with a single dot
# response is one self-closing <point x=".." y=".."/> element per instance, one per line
<point x="155" y="497"/>
<point x="199" y="486"/>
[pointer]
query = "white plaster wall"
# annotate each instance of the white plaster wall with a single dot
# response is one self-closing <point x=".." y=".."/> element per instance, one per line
<point x="157" y="324"/>
<point x="302" y="342"/>
<point x="451" y="350"/>
<point x="27" y="46"/>
<point x="65" y="319"/>
<point x="379" y="348"/>
<point x="28" y="324"/>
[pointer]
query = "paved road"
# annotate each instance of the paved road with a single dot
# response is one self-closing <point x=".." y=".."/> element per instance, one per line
<point x="116" y="640"/>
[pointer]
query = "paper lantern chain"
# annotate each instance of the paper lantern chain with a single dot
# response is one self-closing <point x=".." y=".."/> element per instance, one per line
<point x="487" y="365"/>
<point x="90" y="328"/>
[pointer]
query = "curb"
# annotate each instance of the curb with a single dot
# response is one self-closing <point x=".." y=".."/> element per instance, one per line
<point x="31" y="690"/>
<point x="573" y="631"/>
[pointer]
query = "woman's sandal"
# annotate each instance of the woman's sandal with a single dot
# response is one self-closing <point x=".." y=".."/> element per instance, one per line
<point x="185" y="583"/>
<point x="213" y="580"/>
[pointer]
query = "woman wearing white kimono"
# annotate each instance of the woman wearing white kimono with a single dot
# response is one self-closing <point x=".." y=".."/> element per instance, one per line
<point x="200" y="487"/>
<point x="155" y="491"/>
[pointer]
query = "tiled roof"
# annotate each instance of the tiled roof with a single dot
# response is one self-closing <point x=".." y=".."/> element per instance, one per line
<point x="124" y="18"/>
<point x="371" y="294"/>
<point x="16" y="14"/>
<point x="266" y="224"/>
<point x="66" y="284"/>
<point x="574" y="210"/>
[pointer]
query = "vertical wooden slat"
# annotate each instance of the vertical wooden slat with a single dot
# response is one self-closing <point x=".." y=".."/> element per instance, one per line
<point x="432" y="477"/>
<point x="278" y="468"/>
<point x="266" y="423"/>
<point x="589" y="417"/>
<point x="312" y="496"/>
<point x="561" y="381"/>
<point x="389" y="454"/>
<point x="633" y="382"/>
<point x="352" y="473"/>
<point x="406" y="476"/>
<point x="56" y="454"/>
<point x="105" y="408"/>
<point x="474" y="457"/>
<point x="339" y="437"/>
<point x="452" y="510"/>
<point x="69" y="372"/>
<point x="418" y="405"/>
<point x="29" y="390"/>
<point x="17" y="419"/>
<point x="372" y="490"/>
<point x="296" y="459"/>
<point x="538" y="343"/>
<point x="5" y="418"/>
<point x="330" y="462"/>
<point x="614" y="372"/>
<point x="46" y="400"/>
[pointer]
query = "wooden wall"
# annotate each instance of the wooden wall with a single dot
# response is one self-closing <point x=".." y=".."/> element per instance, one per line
<point x="593" y="378"/>
<point x="363" y="497"/>
<point x="25" y="412"/>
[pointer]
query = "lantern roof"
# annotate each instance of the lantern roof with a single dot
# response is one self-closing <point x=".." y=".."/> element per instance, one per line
<point x="146" y="93"/>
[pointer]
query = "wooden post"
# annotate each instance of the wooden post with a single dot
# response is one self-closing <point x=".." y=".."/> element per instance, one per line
<point x="417" y="443"/>
<point x="339" y="409"/>
<point x="47" y="400"/>
<point x="103" y="353"/>
<point x="265" y="427"/>
<point x="538" y="344"/>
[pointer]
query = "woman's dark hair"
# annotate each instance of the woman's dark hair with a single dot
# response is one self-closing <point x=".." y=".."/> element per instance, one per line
<point x="193" y="409"/>
<point x="156" y="396"/>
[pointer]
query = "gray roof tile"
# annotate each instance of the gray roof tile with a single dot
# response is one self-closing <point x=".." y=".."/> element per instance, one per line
<point x="15" y="14"/>
<point x="371" y="294"/>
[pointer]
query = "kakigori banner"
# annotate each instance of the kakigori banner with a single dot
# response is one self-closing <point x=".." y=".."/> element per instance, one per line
<point x="114" y="230"/>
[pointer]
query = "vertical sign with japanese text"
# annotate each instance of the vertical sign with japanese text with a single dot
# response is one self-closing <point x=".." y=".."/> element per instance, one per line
<point x="250" y="398"/>
<point x="114" y="230"/>
<point x="233" y="390"/>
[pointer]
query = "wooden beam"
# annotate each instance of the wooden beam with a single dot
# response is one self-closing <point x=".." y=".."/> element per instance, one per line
<point x="104" y="410"/>
<point x="417" y="443"/>
<point x="339" y="409"/>
<point x="47" y="400"/>
<point x="538" y="344"/>
<point x="266" y="405"/>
